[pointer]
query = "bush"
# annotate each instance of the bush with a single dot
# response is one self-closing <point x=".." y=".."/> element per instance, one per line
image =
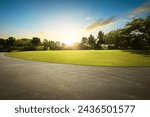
<point x="39" y="48"/>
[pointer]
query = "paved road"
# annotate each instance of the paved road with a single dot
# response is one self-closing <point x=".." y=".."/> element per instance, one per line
<point x="23" y="79"/>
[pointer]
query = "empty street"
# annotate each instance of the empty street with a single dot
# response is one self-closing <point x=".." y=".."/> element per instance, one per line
<point x="24" y="79"/>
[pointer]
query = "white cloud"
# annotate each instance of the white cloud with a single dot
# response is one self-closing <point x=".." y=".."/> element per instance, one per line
<point x="101" y="23"/>
<point x="88" y="18"/>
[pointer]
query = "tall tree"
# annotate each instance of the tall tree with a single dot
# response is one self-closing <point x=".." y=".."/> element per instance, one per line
<point x="137" y="30"/>
<point x="45" y="44"/>
<point x="84" y="43"/>
<point x="2" y="42"/>
<point x="146" y="27"/>
<point x="92" y="42"/>
<point x="100" y="39"/>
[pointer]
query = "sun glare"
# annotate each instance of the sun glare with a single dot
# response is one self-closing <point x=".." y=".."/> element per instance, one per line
<point x="69" y="42"/>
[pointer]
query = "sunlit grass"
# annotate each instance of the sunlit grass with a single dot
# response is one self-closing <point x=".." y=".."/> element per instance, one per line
<point x="88" y="57"/>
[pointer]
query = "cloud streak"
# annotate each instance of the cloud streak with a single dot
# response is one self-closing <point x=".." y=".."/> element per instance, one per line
<point x="101" y="23"/>
<point x="144" y="8"/>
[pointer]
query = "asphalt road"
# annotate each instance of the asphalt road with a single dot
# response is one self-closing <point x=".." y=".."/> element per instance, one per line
<point x="24" y="79"/>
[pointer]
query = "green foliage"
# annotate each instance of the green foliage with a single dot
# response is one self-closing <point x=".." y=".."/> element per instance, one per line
<point x="2" y="43"/>
<point x="10" y="43"/>
<point x="114" y="37"/>
<point x="39" y="48"/>
<point x="91" y="42"/>
<point x="135" y="35"/>
<point x="51" y="45"/>
<point x="84" y="43"/>
<point x="100" y="40"/>
<point x="45" y="44"/>
<point x="35" y="41"/>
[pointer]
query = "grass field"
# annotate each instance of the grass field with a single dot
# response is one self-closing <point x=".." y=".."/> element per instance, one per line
<point x="88" y="57"/>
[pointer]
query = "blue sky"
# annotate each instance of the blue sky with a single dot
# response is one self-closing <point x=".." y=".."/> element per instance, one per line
<point x="66" y="19"/>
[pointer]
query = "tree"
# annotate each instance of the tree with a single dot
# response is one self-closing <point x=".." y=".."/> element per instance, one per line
<point x="45" y="44"/>
<point x="62" y="46"/>
<point x="146" y="31"/>
<point x="10" y="43"/>
<point x="138" y="33"/>
<point x="35" y="41"/>
<point x="135" y="35"/>
<point x="58" y="43"/>
<point x="53" y="45"/>
<point x="114" y="38"/>
<point x="2" y="42"/>
<point x="100" y="39"/>
<point x="22" y="42"/>
<point x="92" y="42"/>
<point x="137" y="42"/>
<point x="84" y="43"/>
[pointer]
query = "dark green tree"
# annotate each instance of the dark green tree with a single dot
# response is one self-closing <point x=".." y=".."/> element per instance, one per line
<point x="10" y="43"/>
<point x="137" y="31"/>
<point x="146" y="31"/>
<point x="100" y="39"/>
<point x="84" y="43"/>
<point x="45" y="44"/>
<point x="2" y="43"/>
<point x="92" y="42"/>
<point x="114" y="38"/>
<point x="35" y="41"/>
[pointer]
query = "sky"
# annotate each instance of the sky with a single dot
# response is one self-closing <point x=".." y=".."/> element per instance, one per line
<point x="66" y="20"/>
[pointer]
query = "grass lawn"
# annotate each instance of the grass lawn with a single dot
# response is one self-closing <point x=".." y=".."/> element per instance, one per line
<point x="88" y="57"/>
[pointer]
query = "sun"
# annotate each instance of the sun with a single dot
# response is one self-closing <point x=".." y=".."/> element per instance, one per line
<point x="69" y="42"/>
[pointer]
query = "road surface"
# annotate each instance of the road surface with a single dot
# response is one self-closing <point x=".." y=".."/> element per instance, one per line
<point x="24" y="79"/>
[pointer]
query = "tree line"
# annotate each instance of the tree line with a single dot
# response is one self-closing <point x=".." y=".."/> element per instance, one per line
<point x="26" y="44"/>
<point x="134" y="35"/>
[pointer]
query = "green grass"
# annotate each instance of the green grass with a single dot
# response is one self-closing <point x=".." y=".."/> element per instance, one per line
<point x="88" y="57"/>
